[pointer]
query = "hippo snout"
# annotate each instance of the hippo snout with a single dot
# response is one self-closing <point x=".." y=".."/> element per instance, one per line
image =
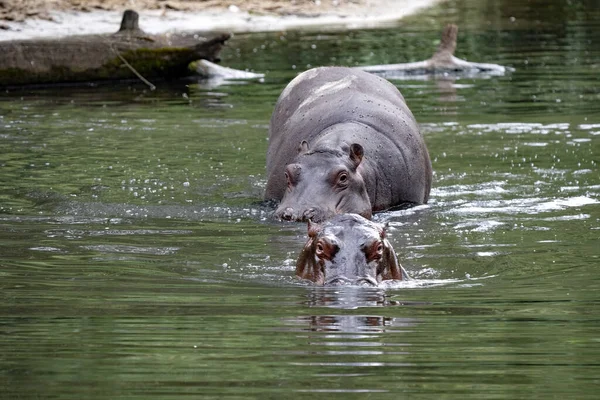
<point x="292" y="214"/>
<point x="343" y="281"/>
<point x="368" y="281"/>
<point x="286" y="214"/>
<point x="339" y="281"/>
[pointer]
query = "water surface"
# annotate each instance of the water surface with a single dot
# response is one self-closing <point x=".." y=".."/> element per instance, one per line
<point x="137" y="260"/>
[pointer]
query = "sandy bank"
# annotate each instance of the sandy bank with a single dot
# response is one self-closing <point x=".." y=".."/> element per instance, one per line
<point x="59" y="20"/>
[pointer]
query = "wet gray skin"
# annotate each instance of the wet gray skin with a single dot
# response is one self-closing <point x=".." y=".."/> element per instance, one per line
<point x="344" y="141"/>
<point x="329" y="176"/>
<point x="348" y="250"/>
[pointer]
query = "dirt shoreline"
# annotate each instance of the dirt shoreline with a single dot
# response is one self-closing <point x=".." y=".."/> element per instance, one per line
<point x="27" y="19"/>
<point x="20" y="10"/>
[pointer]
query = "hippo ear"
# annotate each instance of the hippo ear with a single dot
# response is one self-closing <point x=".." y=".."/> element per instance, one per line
<point x="303" y="148"/>
<point x="382" y="228"/>
<point x="313" y="229"/>
<point x="389" y="267"/>
<point x="307" y="266"/>
<point x="356" y="153"/>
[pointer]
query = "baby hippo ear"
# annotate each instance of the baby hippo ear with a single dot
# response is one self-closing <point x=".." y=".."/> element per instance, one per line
<point x="356" y="153"/>
<point x="382" y="228"/>
<point x="303" y="147"/>
<point x="306" y="266"/>
<point x="313" y="229"/>
<point x="388" y="267"/>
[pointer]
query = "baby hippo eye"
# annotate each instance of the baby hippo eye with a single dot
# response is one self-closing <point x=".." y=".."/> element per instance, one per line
<point x="320" y="249"/>
<point x="374" y="252"/>
<point x="325" y="250"/>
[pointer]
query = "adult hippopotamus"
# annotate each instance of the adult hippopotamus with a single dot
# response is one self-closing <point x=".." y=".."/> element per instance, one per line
<point x="344" y="141"/>
<point x="348" y="249"/>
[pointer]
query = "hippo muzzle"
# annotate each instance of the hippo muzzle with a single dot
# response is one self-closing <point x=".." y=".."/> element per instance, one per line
<point x="302" y="213"/>
<point x="322" y="183"/>
<point x="348" y="250"/>
<point x="343" y="281"/>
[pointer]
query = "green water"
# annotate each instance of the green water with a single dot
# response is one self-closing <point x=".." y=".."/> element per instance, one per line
<point x="137" y="262"/>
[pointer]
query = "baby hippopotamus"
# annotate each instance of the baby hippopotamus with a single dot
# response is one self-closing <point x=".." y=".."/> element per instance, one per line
<point x="348" y="249"/>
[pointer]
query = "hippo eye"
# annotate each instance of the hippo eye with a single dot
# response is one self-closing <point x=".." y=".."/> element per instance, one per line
<point x="289" y="181"/>
<point x="320" y="249"/>
<point x="325" y="250"/>
<point x="375" y="251"/>
<point x="343" y="178"/>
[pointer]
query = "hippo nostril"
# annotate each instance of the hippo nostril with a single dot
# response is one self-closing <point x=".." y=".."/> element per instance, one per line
<point x="308" y="214"/>
<point x="287" y="214"/>
<point x="338" y="281"/>
<point x="366" y="282"/>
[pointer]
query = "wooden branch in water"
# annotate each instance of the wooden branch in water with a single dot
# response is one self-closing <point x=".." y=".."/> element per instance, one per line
<point x="106" y="57"/>
<point x="442" y="61"/>
<point x="448" y="42"/>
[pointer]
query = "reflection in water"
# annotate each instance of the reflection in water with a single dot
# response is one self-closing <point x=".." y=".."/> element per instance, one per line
<point x="344" y="347"/>
<point x="344" y="297"/>
<point x="215" y="82"/>
<point x="350" y="298"/>
<point x="347" y="297"/>
<point x="348" y="323"/>
<point x="351" y="324"/>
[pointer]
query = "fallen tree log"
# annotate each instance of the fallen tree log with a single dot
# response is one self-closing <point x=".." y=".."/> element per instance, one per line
<point x="127" y="54"/>
<point x="443" y="61"/>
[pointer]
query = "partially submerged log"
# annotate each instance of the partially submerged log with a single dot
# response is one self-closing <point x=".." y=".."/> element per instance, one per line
<point x="442" y="62"/>
<point x="213" y="75"/>
<point x="209" y="70"/>
<point x="127" y="54"/>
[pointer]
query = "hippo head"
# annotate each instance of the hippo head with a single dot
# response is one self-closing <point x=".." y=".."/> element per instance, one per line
<point x="348" y="249"/>
<point x="324" y="182"/>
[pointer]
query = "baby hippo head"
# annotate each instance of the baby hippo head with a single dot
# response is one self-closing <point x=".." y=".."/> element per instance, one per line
<point x="348" y="249"/>
<point x="324" y="182"/>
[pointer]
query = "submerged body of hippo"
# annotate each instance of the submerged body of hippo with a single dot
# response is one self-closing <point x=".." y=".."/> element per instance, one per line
<point x="348" y="249"/>
<point x="344" y="141"/>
